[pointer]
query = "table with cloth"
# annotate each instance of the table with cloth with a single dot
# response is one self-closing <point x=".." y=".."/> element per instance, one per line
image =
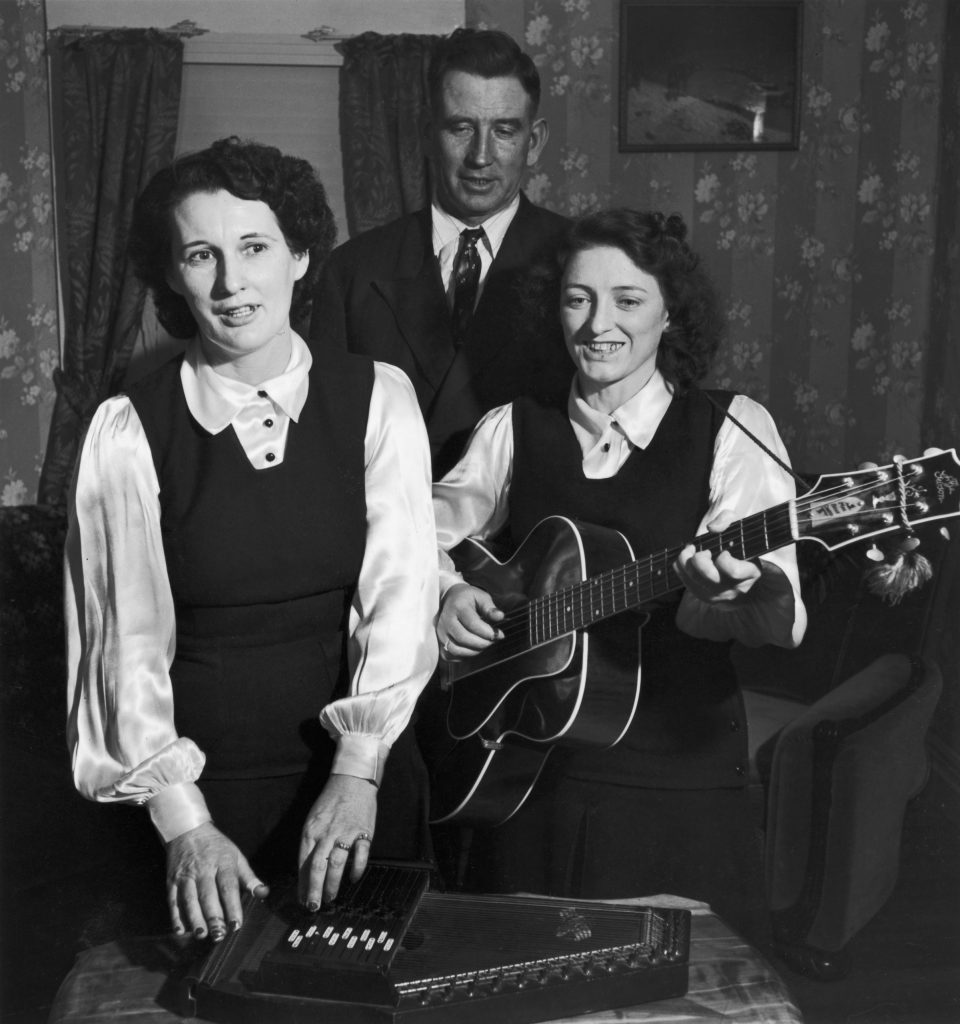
<point x="728" y="981"/>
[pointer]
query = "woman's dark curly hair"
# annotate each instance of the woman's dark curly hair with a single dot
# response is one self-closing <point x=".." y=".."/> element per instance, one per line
<point x="657" y="245"/>
<point x="248" y="170"/>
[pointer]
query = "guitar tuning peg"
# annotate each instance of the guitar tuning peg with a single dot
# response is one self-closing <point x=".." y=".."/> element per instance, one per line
<point x="874" y="553"/>
<point x="945" y="533"/>
<point x="909" y="543"/>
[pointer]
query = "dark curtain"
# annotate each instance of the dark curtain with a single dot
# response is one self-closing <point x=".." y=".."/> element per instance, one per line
<point x="116" y="96"/>
<point x="383" y="99"/>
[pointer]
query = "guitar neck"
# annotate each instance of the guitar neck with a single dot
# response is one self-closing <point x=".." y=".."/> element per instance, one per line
<point x="641" y="582"/>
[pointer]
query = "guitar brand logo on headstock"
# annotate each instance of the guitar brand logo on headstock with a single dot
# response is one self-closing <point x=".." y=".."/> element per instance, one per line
<point x="573" y="925"/>
<point x="946" y="484"/>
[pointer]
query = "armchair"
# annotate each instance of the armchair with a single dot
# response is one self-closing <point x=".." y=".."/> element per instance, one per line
<point x="837" y="733"/>
<point x="841" y="776"/>
<point x="60" y="855"/>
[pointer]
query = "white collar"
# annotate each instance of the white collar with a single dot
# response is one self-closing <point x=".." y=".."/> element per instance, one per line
<point x="447" y="228"/>
<point x="638" y="417"/>
<point x="215" y="400"/>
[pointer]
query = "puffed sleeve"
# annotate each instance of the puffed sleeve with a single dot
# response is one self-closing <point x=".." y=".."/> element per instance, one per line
<point x="743" y="480"/>
<point x="473" y="499"/>
<point x="121" y="632"/>
<point x="392" y="646"/>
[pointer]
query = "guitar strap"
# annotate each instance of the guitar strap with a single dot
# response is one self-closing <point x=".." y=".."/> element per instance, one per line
<point x="756" y="440"/>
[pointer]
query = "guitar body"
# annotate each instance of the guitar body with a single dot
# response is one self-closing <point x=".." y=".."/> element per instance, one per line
<point x="506" y="710"/>
<point x="483" y="782"/>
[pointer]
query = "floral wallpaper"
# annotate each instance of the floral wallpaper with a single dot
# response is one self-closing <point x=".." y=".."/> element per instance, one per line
<point x="825" y="253"/>
<point x="29" y="347"/>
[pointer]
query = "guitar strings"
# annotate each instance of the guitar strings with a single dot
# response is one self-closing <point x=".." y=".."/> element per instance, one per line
<point x="561" y="612"/>
<point x="551" y="612"/>
<point x="556" y="607"/>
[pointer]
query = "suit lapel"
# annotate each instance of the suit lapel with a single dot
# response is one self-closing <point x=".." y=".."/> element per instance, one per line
<point x="415" y="296"/>
<point x="521" y="239"/>
<point x="489" y="334"/>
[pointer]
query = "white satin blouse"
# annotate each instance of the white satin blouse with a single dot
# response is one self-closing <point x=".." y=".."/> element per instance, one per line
<point x="473" y="500"/>
<point x="121" y="631"/>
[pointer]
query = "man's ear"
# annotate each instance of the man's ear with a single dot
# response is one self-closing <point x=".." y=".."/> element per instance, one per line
<point x="539" y="133"/>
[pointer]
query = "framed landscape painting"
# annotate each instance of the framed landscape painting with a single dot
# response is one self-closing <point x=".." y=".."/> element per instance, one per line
<point x="710" y="74"/>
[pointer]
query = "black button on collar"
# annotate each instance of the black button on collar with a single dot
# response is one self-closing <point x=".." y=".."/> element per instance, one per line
<point x="268" y="423"/>
<point x="270" y="457"/>
<point x="261" y="394"/>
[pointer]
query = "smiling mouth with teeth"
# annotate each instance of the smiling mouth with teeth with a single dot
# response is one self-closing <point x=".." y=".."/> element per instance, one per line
<point x="604" y="346"/>
<point x="238" y="311"/>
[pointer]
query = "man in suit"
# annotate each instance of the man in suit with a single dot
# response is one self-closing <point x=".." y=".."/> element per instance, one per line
<point x="443" y="307"/>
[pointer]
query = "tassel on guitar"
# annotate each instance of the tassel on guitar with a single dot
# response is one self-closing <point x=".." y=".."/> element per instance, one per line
<point x="907" y="571"/>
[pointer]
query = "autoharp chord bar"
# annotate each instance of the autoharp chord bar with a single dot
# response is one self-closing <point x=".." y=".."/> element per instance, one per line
<point x="364" y="926"/>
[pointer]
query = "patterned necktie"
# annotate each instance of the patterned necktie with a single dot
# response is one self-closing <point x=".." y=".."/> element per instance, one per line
<point x="466" y="281"/>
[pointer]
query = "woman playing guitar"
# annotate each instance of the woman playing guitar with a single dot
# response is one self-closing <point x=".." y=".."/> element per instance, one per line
<point x="637" y="448"/>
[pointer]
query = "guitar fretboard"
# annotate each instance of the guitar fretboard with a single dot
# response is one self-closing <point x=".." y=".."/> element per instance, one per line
<point x="638" y="583"/>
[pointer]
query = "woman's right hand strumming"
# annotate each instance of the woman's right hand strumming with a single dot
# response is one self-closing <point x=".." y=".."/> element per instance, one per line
<point x="468" y="621"/>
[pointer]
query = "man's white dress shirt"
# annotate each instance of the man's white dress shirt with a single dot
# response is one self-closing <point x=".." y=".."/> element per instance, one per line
<point x="446" y="241"/>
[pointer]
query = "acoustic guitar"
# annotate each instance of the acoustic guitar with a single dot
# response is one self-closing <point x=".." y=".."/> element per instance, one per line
<point x="565" y="674"/>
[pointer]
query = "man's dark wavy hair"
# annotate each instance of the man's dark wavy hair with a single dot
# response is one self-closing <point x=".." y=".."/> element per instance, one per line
<point x="248" y="170"/>
<point x="657" y="245"/>
<point x="487" y="53"/>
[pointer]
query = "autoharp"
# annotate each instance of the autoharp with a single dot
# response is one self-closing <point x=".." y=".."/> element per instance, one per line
<point x="392" y="950"/>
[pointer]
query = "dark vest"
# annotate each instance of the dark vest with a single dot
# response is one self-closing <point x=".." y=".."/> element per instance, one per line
<point x="262" y="567"/>
<point x="689" y="731"/>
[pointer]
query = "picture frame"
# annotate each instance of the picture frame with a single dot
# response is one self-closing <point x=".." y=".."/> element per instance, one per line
<point x="710" y="74"/>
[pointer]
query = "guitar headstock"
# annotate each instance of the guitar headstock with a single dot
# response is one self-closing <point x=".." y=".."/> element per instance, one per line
<point x="845" y="508"/>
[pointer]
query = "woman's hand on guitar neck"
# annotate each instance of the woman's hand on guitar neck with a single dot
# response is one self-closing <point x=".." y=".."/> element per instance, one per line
<point x="468" y="621"/>
<point x="719" y="580"/>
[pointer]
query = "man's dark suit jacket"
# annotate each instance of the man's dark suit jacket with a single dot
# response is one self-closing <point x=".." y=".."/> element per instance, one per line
<point x="381" y="295"/>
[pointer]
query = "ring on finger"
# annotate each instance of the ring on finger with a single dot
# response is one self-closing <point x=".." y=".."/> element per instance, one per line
<point x="341" y="845"/>
<point x="363" y="837"/>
